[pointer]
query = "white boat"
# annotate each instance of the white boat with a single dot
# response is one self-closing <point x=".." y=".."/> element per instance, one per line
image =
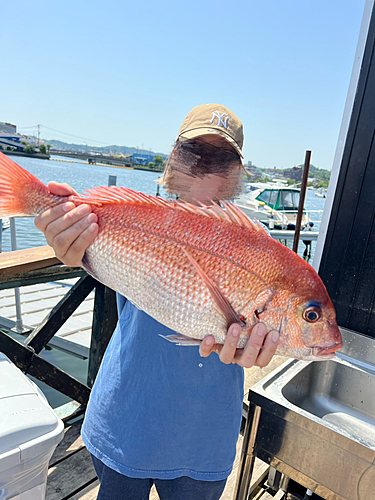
<point x="274" y="204"/>
<point x="321" y="193"/>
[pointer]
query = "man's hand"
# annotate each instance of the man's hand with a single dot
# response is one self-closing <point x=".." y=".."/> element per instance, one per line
<point x="68" y="229"/>
<point x="258" y="351"/>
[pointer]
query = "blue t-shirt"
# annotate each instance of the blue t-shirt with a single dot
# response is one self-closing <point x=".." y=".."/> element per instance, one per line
<point x="159" y="410"/>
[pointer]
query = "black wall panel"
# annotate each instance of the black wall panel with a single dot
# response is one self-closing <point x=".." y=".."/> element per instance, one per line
<point x="348" y="261"/>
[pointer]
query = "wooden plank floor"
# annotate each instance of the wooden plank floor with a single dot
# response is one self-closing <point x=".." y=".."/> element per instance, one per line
<point x="37" y="301"/>
<point x="71" y="475"/>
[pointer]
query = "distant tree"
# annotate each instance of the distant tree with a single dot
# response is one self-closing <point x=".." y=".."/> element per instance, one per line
<point x="42" y="149"/>
<point x="1" y="147"/>
<point x="319" y="173"/>
<point x="48" y="147"/>
<point x="151" y="164"/>
<point x="158" y="160"/>
<point x="24" y="143"/>
<point x="29" y="149"/>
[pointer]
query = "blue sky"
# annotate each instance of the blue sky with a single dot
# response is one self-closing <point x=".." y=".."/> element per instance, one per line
<point x="127" y="73"/>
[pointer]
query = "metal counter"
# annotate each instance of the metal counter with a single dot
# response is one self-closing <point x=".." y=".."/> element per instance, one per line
<point x="315" y="422"/>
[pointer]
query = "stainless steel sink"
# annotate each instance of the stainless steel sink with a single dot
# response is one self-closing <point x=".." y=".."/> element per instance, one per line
<point x="315" y="421"/>
<point x="339" y="394"/>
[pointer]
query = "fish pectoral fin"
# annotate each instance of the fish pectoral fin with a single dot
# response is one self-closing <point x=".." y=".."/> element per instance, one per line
<point x="222" y="303"/>
<point x="181" y="340"/>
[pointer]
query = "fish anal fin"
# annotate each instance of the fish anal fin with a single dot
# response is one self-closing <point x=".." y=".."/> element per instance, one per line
<point x="222" y="303"/>
<point x="181" y="340"/>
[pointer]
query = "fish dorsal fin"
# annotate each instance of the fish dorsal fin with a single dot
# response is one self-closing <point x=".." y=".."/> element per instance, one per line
<point x="232" y="213"/>
<point x="114" y="194"/>
<point x="237" y="215"/>
<point x="111" y="195"/>
<point x="228" y="212"/>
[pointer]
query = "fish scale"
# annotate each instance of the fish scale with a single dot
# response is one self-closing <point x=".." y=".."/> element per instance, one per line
<point x="194" y="269"/>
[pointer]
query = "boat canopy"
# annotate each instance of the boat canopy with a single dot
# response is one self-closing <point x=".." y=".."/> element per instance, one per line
<point x="280" y="199"/>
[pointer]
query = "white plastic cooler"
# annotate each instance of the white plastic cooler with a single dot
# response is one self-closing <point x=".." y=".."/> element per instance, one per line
<point x="29" y="434"/>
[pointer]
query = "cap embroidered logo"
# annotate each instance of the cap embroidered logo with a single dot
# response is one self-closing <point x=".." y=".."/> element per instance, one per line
<point x="221" y="121"/>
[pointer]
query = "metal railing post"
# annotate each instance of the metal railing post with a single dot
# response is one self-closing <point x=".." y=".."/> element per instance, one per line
<point x="19" y="324"/>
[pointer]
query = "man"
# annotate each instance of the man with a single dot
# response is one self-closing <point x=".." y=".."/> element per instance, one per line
<point x="160" y="413"/>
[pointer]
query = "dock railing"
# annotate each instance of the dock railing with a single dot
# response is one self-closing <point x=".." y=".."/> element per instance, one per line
<point x="40" y="265"/>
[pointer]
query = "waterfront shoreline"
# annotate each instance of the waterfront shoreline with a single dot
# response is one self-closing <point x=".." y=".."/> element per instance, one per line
<point x="39" y="156"/>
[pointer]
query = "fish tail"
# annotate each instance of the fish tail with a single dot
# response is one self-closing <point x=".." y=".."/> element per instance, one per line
<point x="21" y="193"/>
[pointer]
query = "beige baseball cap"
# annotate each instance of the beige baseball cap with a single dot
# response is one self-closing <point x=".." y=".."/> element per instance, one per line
<point x="208" y="119"/>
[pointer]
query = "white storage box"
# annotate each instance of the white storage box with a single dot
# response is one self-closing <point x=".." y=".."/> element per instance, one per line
<point x="29" y="434"/>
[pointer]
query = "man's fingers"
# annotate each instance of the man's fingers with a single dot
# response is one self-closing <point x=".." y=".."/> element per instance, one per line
<point x="247" y="356"/>
<point x="206" y="346"/>
<point x="58" y="211"/>
<point x="76" y="220"/>
<point x="258" y="351"/>
<point x="71" y="235"/>
<point x="228" y="350"/>
<point x="259" y="348"/>
<point x="52" y="214"/>
<point x="268" y="349"/>
<point x="74" y="254"/>
<point x="69" y="230"/>
<point x="61" y="189"/>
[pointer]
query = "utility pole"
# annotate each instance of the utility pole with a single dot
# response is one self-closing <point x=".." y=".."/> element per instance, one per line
<point x="38" y="134"/>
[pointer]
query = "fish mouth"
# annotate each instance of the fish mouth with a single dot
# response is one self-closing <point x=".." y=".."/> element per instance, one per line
<point x="327" y="352"/>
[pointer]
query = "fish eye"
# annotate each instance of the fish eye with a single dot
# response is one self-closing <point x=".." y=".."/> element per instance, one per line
<point x="312" y="314"/>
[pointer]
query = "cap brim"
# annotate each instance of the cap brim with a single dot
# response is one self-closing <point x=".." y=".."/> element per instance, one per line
<point x="191" y="134"/>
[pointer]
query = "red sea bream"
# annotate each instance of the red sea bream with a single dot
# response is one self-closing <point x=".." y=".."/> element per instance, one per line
<point x="196" y="270"/>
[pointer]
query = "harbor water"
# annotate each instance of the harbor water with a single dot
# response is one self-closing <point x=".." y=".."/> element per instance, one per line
<point x="82" y="176"/>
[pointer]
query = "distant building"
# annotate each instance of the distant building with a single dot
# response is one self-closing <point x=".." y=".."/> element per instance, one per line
<point x="142" y="159"/>
<point x="294" y="173"/>
<point x="254" y="174"/>
<point x="11" y="140"/>
<point x="8" y="127"/>
<point x="32" y="140"/>
<point x="9" y="137"/>
<point x="251" y="170"/>
<point x="270" y="172"/>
